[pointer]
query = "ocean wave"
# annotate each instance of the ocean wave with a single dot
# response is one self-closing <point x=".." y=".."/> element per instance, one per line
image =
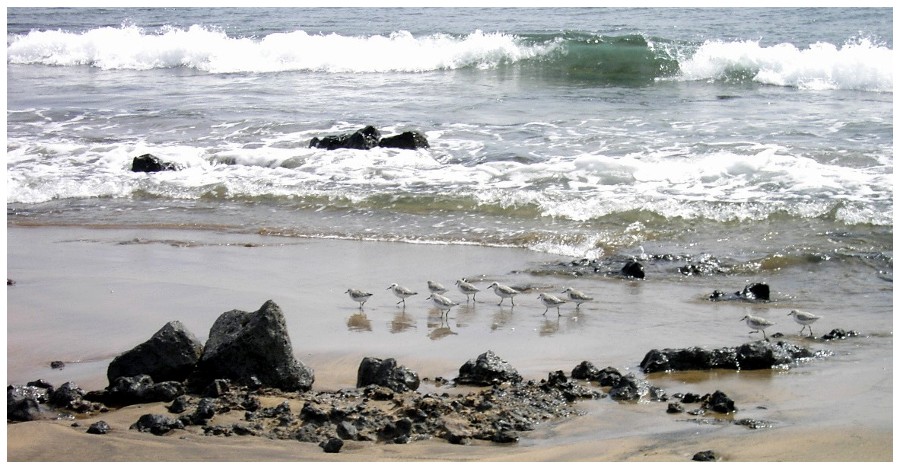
<point x="577" y="57"/>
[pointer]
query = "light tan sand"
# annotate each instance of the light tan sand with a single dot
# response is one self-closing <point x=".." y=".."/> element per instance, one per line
<point x="84" y="296"/>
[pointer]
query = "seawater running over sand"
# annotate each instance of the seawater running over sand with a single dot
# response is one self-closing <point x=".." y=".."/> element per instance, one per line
<point x="130" y="282"/>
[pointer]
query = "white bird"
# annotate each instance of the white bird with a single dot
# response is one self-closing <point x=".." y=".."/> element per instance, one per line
<point x="757" y="324"/>
<point x="441" y="302"/>
<point x="577" y="296"/>
<point x="435" y="287"/>
<point x="504" y="292"/>
<point x="805" y="319"/>
<point x="550" y="301"/>
<point x="359" y="296"/>
<point x="401" y="292"/>
<point x="467" y="289"/>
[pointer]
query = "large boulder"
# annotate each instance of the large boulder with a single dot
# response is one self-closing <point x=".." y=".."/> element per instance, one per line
<point x="486" y="370"/>
<point x="169" y="355"/>
<point x="252" y="349"/>
<point x="386" y="373"/>
<point x="410" y="140"/>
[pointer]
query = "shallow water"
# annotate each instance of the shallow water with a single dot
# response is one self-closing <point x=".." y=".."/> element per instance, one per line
<point x="85" y="295"/>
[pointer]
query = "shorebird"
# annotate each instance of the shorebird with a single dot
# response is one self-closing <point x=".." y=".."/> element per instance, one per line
<point x="359" y="296"/>
<point x="401" y="292"/>
<point x="467" y="289"/>
<point x="757" y="324"/>
<point x="504" y="292"/>
<point x="435" y="287"/>
<point x="550" y="301"/>
<point x="577" y="296"/>
<point x="805" y="319"/>
<point x="441" y="302"/>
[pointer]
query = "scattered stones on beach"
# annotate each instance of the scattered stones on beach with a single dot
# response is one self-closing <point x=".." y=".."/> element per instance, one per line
<point x="705" y="456"/>
<point x="369" y="137"/>
<point x="99" y="428"/>
<point x="385" y="405"/>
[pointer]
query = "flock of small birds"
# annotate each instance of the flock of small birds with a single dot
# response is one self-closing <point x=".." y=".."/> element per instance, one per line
<point x="444" y="304"/>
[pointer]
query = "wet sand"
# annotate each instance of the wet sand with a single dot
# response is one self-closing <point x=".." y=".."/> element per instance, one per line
<point x="85" y="295"/>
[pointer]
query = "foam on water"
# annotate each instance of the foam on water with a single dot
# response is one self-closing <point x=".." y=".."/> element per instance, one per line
<point x="859" y="64"/>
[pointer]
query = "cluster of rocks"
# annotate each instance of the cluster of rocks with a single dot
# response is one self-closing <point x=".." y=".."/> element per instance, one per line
<point x="369" y="137"/>
<point x="223" y="387"/>
<point x="363" y="139"/>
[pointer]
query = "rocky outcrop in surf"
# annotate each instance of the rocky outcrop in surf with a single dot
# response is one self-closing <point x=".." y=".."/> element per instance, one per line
<point x="369" y="137"/>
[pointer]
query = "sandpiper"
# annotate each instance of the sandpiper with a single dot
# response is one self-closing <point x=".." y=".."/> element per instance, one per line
<point x="441" y="302"/>
<point x="577" y="296"/>
<point x="504" y="292"/>
<point x="435" y="287"/>
<point x="467" y="289"/>
<point x="757" y="324"/>
<point x="805" y="319"/>
<point x="550" y="301"/>
<point x="359" y="296"/>
<point x="401" y="292"/>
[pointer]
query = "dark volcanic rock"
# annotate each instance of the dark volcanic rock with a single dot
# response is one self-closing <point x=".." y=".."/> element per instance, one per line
<point x="24" y="403"/>
<point x="148" y="163"/>
<point x="99" y="428"/>
<point x="332" y="445"/>
<point x="705" y="456"/>
<point x="750" y="356"/>
<point x="838" y="334"/>
<point x="156" y="424"/>
<point x="486" y="370"/>
<point x="251" y="349"/>
<point x="386" y="373"/>
<point x="719" y="402"/>
<point x="363" y="139"/>
<point x="411" y="140"/>
<point x="633" y="269"/>
<point x="169" y="355"/>
<point x="751" y="292"/>
<point x="128" y="390"/>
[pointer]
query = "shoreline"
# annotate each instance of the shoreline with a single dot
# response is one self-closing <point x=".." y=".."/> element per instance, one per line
<point x="203" y="274"/>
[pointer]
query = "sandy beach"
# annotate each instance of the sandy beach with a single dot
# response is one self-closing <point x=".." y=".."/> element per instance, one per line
<point x="83" y="296"/>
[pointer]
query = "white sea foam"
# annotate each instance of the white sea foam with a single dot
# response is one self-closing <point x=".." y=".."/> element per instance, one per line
<point x="129" y="47"/>
<point x="858" y="65"/>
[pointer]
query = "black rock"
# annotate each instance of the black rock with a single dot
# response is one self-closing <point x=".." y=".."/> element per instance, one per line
<point x="218" y="388"/>
<point x="675" y="408"/>
<point x="633" y="269"/>
<point x="486" y="370"/>
<point x="169" y="355"/>
<point x="206" y="410"/>
<point x="838" y="334"/>
<point x="24" y="403"/>
<point x="57" y="364"/>
<point x="750" y="356"/>
<point x="585" y="370"/>
<point x="719" y="402"/>
<point x="128" y="390"/>
<point x="332" y="445"/>
<point x="99" y="428"/>
<point x="180" y="404"/>
<point x="252" y="348"/>
<point x="705" y="456"/>
<point x="410" y="140"/>
<point x="156" y="424"/>
<point x="148" y="163"/>
<point x="363" y="139"/>
<point x="386" y="373"/>
<point x="755" y="291"/>
<point x="66" y="396"/>
<point x="347" y="431"/>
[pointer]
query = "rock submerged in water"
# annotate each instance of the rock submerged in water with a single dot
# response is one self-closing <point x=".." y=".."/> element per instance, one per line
<point x="750" y="356"/>
<point x="369" y="137"/>
<point x="148" y="163"/>
<point x="751" y="292"/>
